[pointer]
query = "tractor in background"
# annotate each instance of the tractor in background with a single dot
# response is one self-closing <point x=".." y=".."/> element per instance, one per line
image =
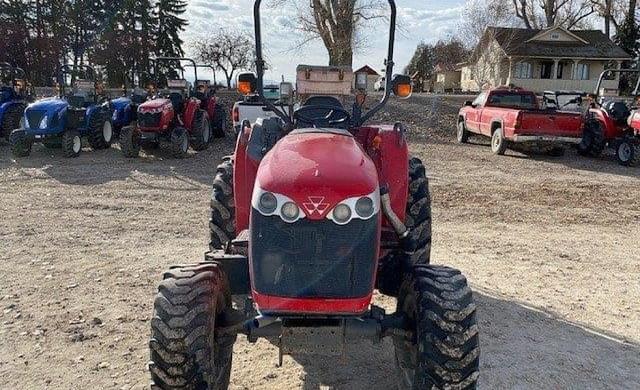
<point x="606" y="123"/>
<point x="314" y="210"/>
<point x="173" y="116"/>
<point x="14" y="98"/>
<point x="125" y="108"/>
<point x="61" y="122"/>
<point x="629" y="147"/>
<point x="211" y="104"/>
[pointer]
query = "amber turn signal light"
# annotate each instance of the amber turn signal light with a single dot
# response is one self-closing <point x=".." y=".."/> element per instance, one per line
<point x="402" y="86"/>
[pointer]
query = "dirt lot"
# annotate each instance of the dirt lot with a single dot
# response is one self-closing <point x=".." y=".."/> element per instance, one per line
<point x="551" y="246"/>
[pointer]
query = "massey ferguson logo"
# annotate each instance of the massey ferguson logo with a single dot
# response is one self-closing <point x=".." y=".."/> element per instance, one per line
<point x="316" y="205"/>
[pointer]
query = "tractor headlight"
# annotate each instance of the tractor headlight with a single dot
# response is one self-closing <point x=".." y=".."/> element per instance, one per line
<point x="364" y="207"/>
<point x="114" y="117"/>
<point x="341" y="214"/>
<point x="268" y="203"/>
<point x="360" y="207"/>
<point x="43" y="123"/>
<point x="290" y="211"/>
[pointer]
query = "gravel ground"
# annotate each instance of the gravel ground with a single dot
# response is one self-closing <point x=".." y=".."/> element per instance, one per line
<point x="550" y="246"/>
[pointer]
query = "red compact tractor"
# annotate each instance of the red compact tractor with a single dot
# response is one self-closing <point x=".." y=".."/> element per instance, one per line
<point x="211" y="104"/>
<point x="607" y="122"/>
<point x="313" y="212"/>
<point x="174" y="116"/>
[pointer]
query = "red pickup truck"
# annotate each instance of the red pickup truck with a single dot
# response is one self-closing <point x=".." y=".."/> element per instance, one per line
<point x="513" y="116"/>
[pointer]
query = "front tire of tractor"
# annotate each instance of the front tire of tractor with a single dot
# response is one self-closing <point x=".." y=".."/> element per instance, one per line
<point x="12" y="120"/>
<point x="187" y="349"/>
<point x="20" y="143"/>
<point x="593" y="142"/>
<point x="462" y="135"/>
<point x="498" y="142"/>
<point x="100" y="132"/>
<point x="179" y="142"/>
<point x="130" y="141"/>
<point x="444" y="352"/>
<point x="219" y="121"/>
<point x="201" y="133"/>
<point x="71" y="143"/>
<point x="627" y="152"/>
<point x="222" y="225"/>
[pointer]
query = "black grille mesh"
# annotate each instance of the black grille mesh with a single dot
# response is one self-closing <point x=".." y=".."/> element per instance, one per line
<point x="34" y="117"/>
<point x="313" y="259"/>
<point x="148" y="119"/>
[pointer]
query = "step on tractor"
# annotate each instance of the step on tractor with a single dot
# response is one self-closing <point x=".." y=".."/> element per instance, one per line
<point x="206" y="92"/>
<point x="14" y="98"/>
<point x="314" y="211"/>
<point x="174" y="116"/>
<point x="61" y="122"/>
<point x="607" y="122"/>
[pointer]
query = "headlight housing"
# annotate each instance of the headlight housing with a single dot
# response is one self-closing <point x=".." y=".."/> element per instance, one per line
<point x="115" y="115"/>
<point x="44" y="123"/>
<point x="360" y="207"/>
<point x="269" y="204"/>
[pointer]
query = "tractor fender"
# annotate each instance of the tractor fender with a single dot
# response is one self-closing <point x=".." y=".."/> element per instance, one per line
<point x="6" y="105"/>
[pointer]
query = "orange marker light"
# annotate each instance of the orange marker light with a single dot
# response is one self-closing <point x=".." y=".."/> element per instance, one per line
<point x="244" y="87"/>
<point x="403" y="90"/>
<point x="376" y="142"/>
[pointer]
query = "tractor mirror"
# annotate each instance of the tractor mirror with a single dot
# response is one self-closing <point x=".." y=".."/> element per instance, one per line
<point x="286" y="91"/>
<point x="247" y="83"/>
<point x="402" y="86"/>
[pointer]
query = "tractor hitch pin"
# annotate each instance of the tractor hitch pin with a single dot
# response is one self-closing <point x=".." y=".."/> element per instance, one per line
<point x="397" y="224"/>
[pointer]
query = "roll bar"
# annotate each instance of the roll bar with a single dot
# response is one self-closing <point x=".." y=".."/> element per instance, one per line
<point x="70" y="69"/>
<point x="213" y="71"/>
<point x="260" y="64"/>
<point x="171" y="59"/>
<point x="614" y="71"/>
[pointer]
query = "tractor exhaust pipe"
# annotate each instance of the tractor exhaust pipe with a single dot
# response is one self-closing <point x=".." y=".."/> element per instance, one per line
<point x="397" y="224"/>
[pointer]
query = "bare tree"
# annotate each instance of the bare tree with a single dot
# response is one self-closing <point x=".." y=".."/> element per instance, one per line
<point x="228" y="51"/>
<point x="340" y="24"/>
<point x="550" y="13"/>
<point x="614" y="12"/>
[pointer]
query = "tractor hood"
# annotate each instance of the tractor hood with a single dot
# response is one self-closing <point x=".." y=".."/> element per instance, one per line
<point x="53" y="109"/>
<point x="120" y="103"/>
<point x="317" y="169"/>
<point x="50" y="105"/>
<point x="154" y="105"/>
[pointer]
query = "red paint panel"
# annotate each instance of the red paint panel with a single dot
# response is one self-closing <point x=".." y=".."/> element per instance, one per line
<point x="281" y="305"/>
<point x="191" y="106"/>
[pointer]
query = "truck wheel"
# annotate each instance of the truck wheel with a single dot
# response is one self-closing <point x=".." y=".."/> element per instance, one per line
<point x="179" y="142"/>
<point x="100" y="132"/>
<point x="498" y="143"/>
<point x="222" y="225"/>
<point x="627" y="152"/>
<point x="593" y="142"/>
<point x="20" y="143"/>
<point x="219" y="121"/>
<point x="187" y="351"/>
<point x="462" y="134"/>
<point x="443" y="352"/>
<point x="201" y="132"/>
<point x="418" y="214"/>
<point x="12" y="120"/>
<point x="71" y="143"/>
<point x="130" y="141"/>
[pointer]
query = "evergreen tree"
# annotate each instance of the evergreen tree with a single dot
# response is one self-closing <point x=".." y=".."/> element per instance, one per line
<point x="169" y="27"/>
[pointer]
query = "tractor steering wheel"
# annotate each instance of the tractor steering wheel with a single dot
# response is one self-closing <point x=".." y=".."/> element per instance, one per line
<point x="329" y="115"/>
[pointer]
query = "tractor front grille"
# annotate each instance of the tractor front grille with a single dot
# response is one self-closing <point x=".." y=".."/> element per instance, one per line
<point x="34" y="117"/>
<point x="148" y="119"/>
<point x="313" y="259"/>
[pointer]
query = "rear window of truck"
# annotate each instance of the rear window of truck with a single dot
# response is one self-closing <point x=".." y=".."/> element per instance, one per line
<point x="513" y="100"/>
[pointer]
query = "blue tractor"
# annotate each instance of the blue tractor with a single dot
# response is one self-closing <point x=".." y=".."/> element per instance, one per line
<point x="124" y="109"/>
<point x="14" y="97"/>
<point x="62" y="122"/>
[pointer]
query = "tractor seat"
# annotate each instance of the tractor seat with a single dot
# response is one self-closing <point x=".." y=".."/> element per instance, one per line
<point x="323" y="101"/>
<point x="618" y="111"/>
<point x="177" y="101"/>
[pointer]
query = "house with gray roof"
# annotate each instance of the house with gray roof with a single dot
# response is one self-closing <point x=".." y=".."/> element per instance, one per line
<point x="539" y="60"/>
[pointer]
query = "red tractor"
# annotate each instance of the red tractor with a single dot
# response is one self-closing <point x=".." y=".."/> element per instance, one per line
<point x="173" y="116"/>
<point x="606" y="123"/>
<point x="211" y="104"/>
<point x="313" y="212"/>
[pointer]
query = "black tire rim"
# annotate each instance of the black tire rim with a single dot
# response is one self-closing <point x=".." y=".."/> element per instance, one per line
<point x="625" y="152"/>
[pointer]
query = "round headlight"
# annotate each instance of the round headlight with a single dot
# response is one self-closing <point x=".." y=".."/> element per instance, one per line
<point x="342" y="213"/>
<point x="364" y="207"/>
<point x="268" y="203"/>
<point x="290" y="212"/>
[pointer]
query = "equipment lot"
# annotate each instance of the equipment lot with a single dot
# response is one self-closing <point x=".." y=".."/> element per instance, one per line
<point x="550" y="245"/>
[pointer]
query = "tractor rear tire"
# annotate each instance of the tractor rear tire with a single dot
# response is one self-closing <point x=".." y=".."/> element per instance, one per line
<point x="222" y="225"/>
<point x="498" y="142"/>
<point x="201" y="131"/>
<point x="462" y="135"/>
<point x="593" y="141"/>
<point x="20" y="143"/>
<point x="71" y="143"/>
<point x="100" y="131"/>
<point x="444" y="351"/>
<point x="130" y="141"/>
<point x="219" y="121"/>
<point x="179" y="143"/>
<point x="187" y="349"/>
<point x="11" y="120"/>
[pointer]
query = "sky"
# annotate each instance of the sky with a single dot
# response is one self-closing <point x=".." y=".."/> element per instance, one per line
<point x="421" y="20"/>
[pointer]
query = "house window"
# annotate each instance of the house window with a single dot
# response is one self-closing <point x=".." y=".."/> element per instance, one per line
<point x="441" y="78"/>
<point x="560" y="70"/>
<point x="546" y="69"/>
<point x="555" y="36"/>
<point x="582" y="72"/>
<point x="523" y="70"/>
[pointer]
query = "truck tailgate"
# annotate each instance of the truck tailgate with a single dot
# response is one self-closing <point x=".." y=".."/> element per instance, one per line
<point x="550" y="123"/>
